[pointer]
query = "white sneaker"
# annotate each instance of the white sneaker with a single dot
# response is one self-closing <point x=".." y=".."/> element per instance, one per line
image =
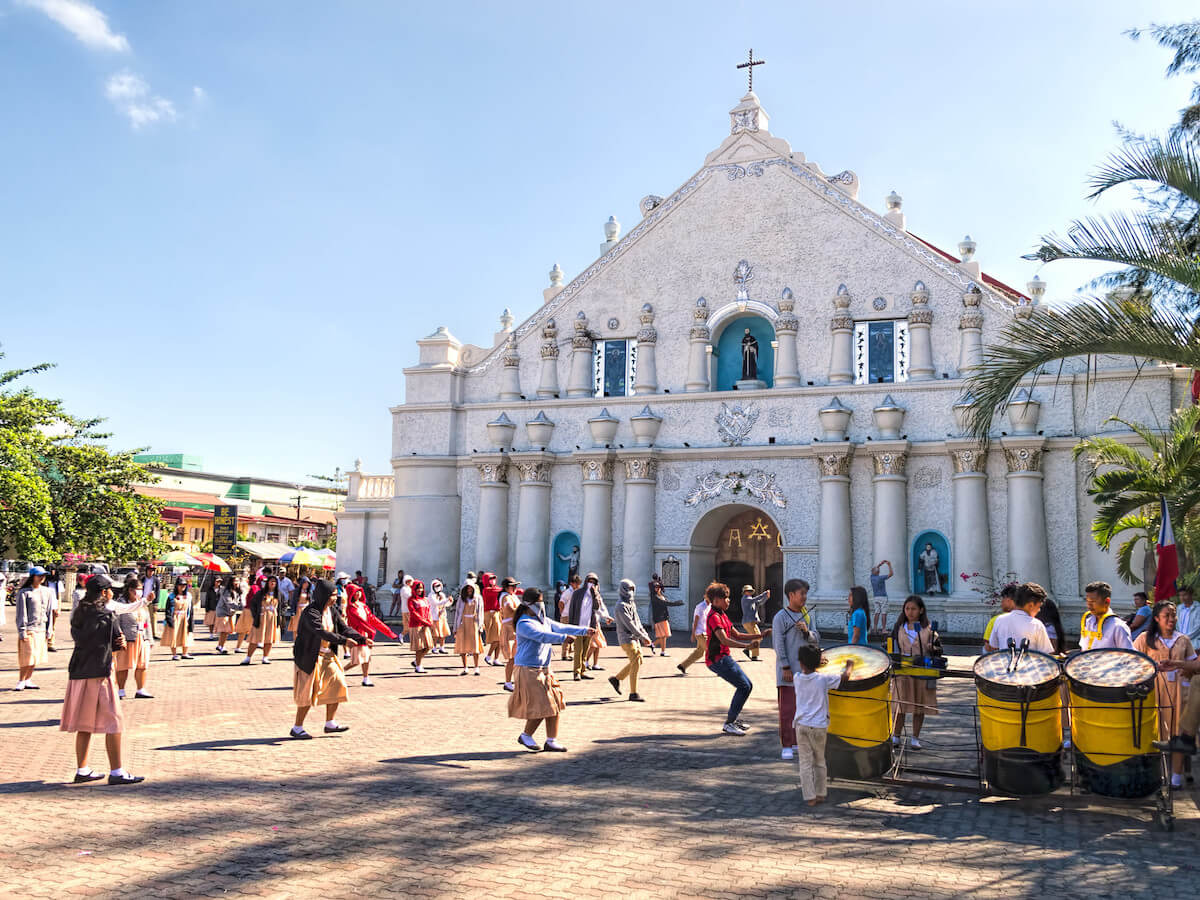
<point x="487" y="661"/>
<point x="731" y="728"/>
<point x="367" y="682"/>
<point x="787" y="753"/>
<point x="475" y="672"/>
<point x="20" y="686"/>
<point x="175" y="656"/>
<point x="121" y="693"/>
<point x="420" y="669"/>
<point x="464" y="671"/>
<point x="29" y="685"/>
<point x="914" y="744"/>
<point x="742" y="725"/>
<point x="508" y="686"/>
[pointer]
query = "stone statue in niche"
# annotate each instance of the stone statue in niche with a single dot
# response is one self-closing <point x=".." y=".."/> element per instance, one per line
<point x="929" y="569"/>
<point x="572" y="561"/>
<point x="749" y="357"/>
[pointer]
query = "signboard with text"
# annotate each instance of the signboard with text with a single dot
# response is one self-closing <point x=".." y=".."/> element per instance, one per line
<point x="224" y="530"/>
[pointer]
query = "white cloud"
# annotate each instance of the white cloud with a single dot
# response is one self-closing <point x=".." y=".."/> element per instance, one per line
<point x="83" y="20"/>
<point x="199" y="94"/>
<point x="132" y="97"/>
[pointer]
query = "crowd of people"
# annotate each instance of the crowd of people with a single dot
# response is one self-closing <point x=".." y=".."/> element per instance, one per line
<point x="333" y="625"/>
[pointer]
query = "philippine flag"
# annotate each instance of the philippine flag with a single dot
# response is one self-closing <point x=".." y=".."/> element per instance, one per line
<point x="1168" y="560"/>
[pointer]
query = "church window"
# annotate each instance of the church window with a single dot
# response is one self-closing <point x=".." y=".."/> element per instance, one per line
<point x="881" y="352"/>
<point x="615" y="364"/>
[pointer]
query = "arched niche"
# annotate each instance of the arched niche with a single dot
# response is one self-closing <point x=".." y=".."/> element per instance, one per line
<point x="941" y="546"/>
<point x="727" y="350"/>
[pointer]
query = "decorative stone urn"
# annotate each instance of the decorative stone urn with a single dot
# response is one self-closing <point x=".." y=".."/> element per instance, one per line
<point x="645" y="427"/>
<point x="604" y="428"/>
<point x="889" y="419"/>
<point x="835" y="419"/>
<point x="539" y="430"/>
<point x="501" y="431"/>
<point x="1023" y="413"/>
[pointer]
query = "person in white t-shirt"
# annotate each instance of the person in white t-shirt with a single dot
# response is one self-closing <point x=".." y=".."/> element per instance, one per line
<point x="812" y="720"/>
<point x="1021" y="624"/>
<point x="699" y="636"/>
<point x="1100" y="627"/>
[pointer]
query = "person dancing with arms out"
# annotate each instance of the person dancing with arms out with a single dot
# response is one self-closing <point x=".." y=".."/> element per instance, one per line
<point x="366" y="623"/>
<point x="721" y="636"/>
<point x="91" y="705"/>
<point x="537" y="696"/>
<point x="319" y="679"/>
<point x="629" y="632"/>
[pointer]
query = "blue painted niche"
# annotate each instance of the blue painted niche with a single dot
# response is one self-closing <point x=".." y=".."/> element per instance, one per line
<point x="942" y="547"/>
<point x="564" y="543"/>
<point x="729" y="351"/>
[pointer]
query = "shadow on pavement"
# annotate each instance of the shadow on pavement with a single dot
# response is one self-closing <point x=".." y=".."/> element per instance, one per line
<point x="229" y="745"/>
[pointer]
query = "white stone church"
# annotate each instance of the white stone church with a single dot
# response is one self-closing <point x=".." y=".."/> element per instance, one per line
<point x="763" y="379"/>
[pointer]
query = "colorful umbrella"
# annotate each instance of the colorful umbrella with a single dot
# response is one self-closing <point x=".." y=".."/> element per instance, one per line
<point x="179" y="558"/>
<point x="302" y="557"/>
<point x="214" y="563"/>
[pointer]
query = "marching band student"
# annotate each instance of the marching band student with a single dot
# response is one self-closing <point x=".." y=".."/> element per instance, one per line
<point x="318" y="679"/>
<point x="177" y="628"/>
<point x="439" y="604"/>
<point x="913" y="636"/>
<point x="537" y="696"/>
<point x="264" y="607"/>
<point x="420" y="624"/>
<point x="468" y="616"/>
<point x="91" y="705"/>
<point x="230" y="606"/>
<point x="33" y="612"/>
<point x="508" y="636"/>
<point x="1100" y="627"/>
<point x="361" y="619"/>
<point x="303" y="594"/>
<point x="135" y="628"/>
<point x="1162" y="642"/>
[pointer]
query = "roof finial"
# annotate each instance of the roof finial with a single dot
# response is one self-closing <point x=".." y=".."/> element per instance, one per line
<point x="749" y="65"/>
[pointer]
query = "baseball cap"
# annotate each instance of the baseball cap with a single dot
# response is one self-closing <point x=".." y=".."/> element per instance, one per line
<point x="36" y="570"/>
<point x="100" y="579"/>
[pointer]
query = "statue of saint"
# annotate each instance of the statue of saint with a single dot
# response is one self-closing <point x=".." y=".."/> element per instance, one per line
<point x="572" y="561"/>
<point x="749" y="357"/>
<point x="929" y="569"/>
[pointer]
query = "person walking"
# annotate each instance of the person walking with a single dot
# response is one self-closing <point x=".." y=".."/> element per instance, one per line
<point x="793" y="629"/>
<point x="33" y="612"/>
<point x="420" y="621"/>
<point x="211" y="595"/>
<point x="509" y="600"/>
<point x="54" y="581"/>
<point x="584" y="612"/>
<point x="91" y="705"/>
<point x="812" y="720"/>
<point x="150" y="588"/>
<point x="303" y="594"/>
<point x="629" y="634"/>
<point x="231" y="603"/>
<point x="660" y="614"/>
<point x="361" y="619"/>
<point x="318" y="679"/>
<point x="397" y="587"/>
<point x="752" y="607"/>
<point x="563" y="607"/>
<point x="698" y="634"/>
<point x="440" y="603"/>
<point x="130" y="611"/>
<point x="468" y="617"/>
<point x="721" y="636"/>
<point x="537" y="696"/>
<point x="490" y="592"/>
<point x="265" y="606"/>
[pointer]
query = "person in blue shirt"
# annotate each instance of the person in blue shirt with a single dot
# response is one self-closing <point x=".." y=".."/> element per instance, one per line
<point x="859" y="622"/>
<point x="537" y="695"/>
<point x="1142" y="616"/>
<point x="879" y="593"/>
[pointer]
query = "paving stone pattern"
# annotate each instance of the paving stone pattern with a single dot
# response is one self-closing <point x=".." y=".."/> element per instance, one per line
<point x="428" y="795"/>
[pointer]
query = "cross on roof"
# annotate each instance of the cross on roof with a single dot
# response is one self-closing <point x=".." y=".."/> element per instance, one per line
<point x="750" y="63"/>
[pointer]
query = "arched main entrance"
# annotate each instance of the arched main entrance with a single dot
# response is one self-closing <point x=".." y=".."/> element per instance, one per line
<point x="738" y="544"/>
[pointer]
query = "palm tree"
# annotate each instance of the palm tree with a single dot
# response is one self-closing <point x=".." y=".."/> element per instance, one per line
<point x="1159" y="249"/>
<point x="1127" y="491"/>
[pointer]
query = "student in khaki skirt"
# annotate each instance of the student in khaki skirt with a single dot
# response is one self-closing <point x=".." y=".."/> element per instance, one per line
<point x="366" y="623"/>
<point x="318" y="679"/>
<point x="91" y="705"/>
<point x="131" y="619"/>
<point x="33" y="612"/>
<point x="468" y="617"/>
<point x="439" y="605"/>
<point x="177" y="627"/>
<point x="537" y="696"/>
<point x="231" y="604"/>
<point x="420" y="624"/>
<point x="265" y="607"/>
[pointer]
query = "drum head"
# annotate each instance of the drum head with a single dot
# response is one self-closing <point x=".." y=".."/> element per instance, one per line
<point x="869" y="662"/>
<point x="1033" y="669"/>
<point x="1110" y="667"/>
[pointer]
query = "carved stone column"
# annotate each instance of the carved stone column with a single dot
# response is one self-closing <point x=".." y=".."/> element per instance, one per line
<point x="637" y="558"/>
<point x="548" y="383"/>
<point x="646" y="377"/>
<point x="835" y="570"/>
<point x="491" y="534"/>
<point x="510" y="375"/>
<point x="920" y="326"/>
<point x="533" y="518"/>
<point x="787" y="369"/>
<point x="841" y="353"/>
<point x="1028" y="552"/>
<point x="890" y="526"/>
<point x="970" y="327"/>
<point x="595" y="539"/>
<point x="579" y="381"/>
<point x="972" y="549"/>
<point x="698" y="338"/>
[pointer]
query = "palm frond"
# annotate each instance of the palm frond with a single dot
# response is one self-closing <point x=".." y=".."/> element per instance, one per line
<point x="1090" y="328"/>
<point x="1173" y="164"/>
<point x="1125" y="560"/>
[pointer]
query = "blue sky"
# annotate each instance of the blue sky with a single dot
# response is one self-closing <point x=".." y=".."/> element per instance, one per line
<point x="222" y="219"/>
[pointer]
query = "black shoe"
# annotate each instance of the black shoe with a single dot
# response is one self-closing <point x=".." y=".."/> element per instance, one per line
<point x="85" y="779"/>
<point x="336" y="729"/>
<point x="142" y="695"/>
<point x="1180" y="743"/>
<point x="747" y="652"/>
<point x="587" y="677"/>
<point x="126" y="779"/>
<point x="300" y="735"/>
<point x="52" y="649"/>
<point x="636" y="698"/>
<point x="576" y="676"/>
<point x="554" y="749"/>
<point x="597" y="668"/>
<point x="682" y="670"/>
<point x="616" y="685"/>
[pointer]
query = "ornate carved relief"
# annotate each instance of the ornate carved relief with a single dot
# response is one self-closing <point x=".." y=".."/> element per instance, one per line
<point x="492" y="472"/>
<point x="970" y="320"/>
<point x="647" y="333"/>
<point x="641" y="467"/>
<point x="831" y="464"/>
<point x="534" y="471"/>
<point x="597" y="469"/>
<point x="927" y="477"/>
<point x="890" y="462"/>
<point x="969" y="460"/>
<point x="1023" y="459"/>
<point x="920" y="317"/>
<point x="735" y="422"/>
<point x="670" y="481"/>
<point x="757" y="483"/>
<point x="512" y="358"/>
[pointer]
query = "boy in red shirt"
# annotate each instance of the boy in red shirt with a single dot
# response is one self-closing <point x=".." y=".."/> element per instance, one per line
<point x="721" y="636"/>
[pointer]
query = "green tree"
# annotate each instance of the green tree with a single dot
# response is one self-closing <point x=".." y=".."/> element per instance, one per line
<point x="1184" y="40"/>
<point x="61" y="490"/>
<point x="1126" y="482"/>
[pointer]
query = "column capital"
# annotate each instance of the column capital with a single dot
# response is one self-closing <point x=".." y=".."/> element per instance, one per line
<point x="596" y="467"/>
<point x="642" y="467"/>
<point x="834" y="463"/>
<point x="493" y="468"/>
<point x="1023" y="455"/>
<point x="890" y="457"/>
<point x="968" y="457"/>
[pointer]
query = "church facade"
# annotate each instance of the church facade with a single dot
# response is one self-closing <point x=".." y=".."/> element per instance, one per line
<point x="763" y="379"/>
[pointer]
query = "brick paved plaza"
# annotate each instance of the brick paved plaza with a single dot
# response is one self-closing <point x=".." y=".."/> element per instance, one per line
<point x="428" y="795"/>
